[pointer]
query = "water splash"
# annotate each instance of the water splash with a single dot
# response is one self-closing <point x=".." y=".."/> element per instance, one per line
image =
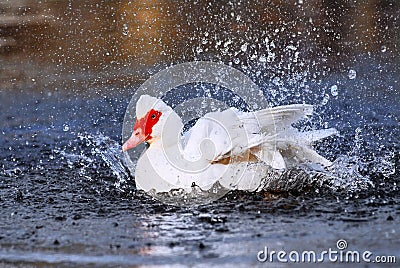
<point x="197" y="196"/>
<point x="111" y="153"/>
<point x="343" y="177"/>
<point x="346" y="175"/>
<point x="100" y="146"/>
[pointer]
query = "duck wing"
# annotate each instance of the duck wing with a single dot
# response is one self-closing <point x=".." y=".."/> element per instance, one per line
<point x="220" y="135"/>
<point x="266" y="135"/>
<point x="290" y="146"/>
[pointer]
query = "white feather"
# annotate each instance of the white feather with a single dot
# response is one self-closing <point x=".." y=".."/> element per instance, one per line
<point x="267" y="134"/>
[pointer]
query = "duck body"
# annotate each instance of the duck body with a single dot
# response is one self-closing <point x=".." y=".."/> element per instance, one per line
<point x="231" y="147"/>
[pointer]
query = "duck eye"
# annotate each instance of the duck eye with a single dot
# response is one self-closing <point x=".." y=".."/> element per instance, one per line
<point x="153" y="116"/>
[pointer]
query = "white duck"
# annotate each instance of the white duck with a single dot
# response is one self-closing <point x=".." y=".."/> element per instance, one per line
<point x="231" y="147"/>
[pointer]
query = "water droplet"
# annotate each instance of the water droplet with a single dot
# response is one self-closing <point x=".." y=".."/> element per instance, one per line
<point x="325" y="100"/>
<point x="291" y="47"/>
<point x="66" y="128"/>
<point x="272" y="44"/>
<point x="125" y="29"/>
<point x="383" y="49"/>
<point x="352" y="74"/>
<point x="276" y="81"/>
<point x="236" y="61"/>
<point x="334" y="90"/>
<point x="227" y="43"/>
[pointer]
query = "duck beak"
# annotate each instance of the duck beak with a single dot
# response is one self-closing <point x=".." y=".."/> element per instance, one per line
<point x="136" y="139"/>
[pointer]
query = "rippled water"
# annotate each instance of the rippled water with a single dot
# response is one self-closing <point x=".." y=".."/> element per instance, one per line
<point x="67" y="197"/>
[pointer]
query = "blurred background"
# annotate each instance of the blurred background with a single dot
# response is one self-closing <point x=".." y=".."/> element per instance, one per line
<point x="62" y="44"/>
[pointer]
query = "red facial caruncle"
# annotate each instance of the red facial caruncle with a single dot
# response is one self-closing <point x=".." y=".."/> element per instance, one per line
<point x="142" y="130"/>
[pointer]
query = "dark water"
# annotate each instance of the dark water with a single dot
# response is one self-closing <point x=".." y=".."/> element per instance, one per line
<point x="67" y="199"/>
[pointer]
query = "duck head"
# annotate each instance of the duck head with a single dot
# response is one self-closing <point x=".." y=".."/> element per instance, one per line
<point x="152" y="115"/>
